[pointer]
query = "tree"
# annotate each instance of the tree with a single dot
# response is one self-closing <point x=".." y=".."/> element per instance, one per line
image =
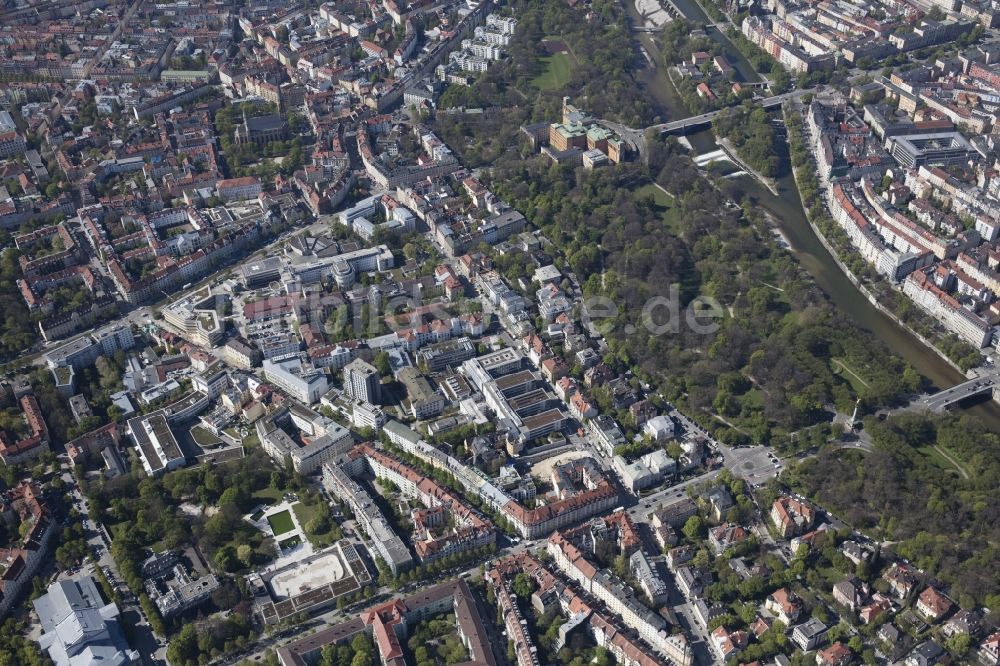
<point x="226" y="558"/>
<point x="153" y="615"/>
<point x="524" y="585"/>
<point x="674" y="450"/>
<point x="338" y="325"/>
<point x="109" y="375"/>
<point x="959" y="645"/>
<point x="382" y="363"/>
<point x="820" y="613"/>
<point x="245" y="554"/>
<point x="183" y="649"/>
<point x="694" y="528"/>
<point x="363" y="651"/>
<point x="318" y="524"/>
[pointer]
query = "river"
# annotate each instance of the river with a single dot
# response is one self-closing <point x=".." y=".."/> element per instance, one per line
<point x="658" y="85"/>
<point x="786" y="210"/>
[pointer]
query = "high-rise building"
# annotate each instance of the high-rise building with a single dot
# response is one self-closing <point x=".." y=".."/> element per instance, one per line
<point x="362" y="381"/>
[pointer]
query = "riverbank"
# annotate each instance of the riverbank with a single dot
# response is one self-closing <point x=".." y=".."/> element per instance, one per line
<point x="655" y="77"/>
<point x="734" y="156"/>
<point x="861" y="286"/>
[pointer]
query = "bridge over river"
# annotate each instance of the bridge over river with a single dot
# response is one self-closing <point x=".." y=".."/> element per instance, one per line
<point x="985" y="384"/>
<point x="636" y="137"/>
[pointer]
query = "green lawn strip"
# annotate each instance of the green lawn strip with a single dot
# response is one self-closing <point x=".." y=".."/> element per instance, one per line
<point x="558" y="70"/>
<point x="281" y="522"/>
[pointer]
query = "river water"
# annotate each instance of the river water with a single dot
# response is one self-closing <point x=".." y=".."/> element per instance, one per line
<point x="786" y="210"/>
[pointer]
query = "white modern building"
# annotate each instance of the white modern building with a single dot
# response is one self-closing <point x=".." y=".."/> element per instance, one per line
<point x="367" y="415"/>
<point x="644" y="472"/>
<point x="195" y="318"/>
<point x="660" y="428"/>
<point x="296" y="378"/>
<point x="156" y="444"/>
<point x="212" y="382"/>
<point x="83" y="351"/>
<point x="79" y="629"/>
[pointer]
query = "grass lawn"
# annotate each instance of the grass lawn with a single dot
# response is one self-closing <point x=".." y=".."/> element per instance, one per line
<point x="934" y="454"/>
<point x="660" y="198"/>
<point x="558" y="69"/>
<point x="848" y="373"/>
<point x="269" y="495"/>
<point x="664" y="205"/>
<point x="203" y="437"/>
<point x="752" y="398"/>
<point x="281" y="523"/>
<point x="304" y="513"/>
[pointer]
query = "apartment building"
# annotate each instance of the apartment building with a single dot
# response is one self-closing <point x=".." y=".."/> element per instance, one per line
<point x="83" y="351"/>
<point x="470" y="531"/>
<point x="319" y="439"/>
<point x="34" y="443"/>
<point x="20" y="562"/>
<point x="857" y="220"/>
<point x="213" y="381"/>
<point x="525" y="651"/>
<point x="240" y="352"/>
<point x="12" y="143"/>
<point x="618" y="598"/>
<point x="589" y="493"/>
<point x="791" y="516"/>
<point x="424" y="401"/>
<point x="944" y="307"/>
<point x="386" y="543"/>
<point x="650" y="581"/>
<point x="389" y="623"/>
<point x="367" y="415"/>
<point x="437" y="357"/>
<point x="238" y="189"/>
<point x="155" y="442"/>
<point x="362" y="382"/>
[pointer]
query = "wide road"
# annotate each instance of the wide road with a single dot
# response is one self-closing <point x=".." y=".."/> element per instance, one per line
<point x="752" y="464"/>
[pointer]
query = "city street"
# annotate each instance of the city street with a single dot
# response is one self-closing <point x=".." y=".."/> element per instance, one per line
<point x="152" y="650"/>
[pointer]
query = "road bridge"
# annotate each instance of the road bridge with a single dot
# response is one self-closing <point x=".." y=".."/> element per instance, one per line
<point x="637" y="137"/>
<point x="985" y="384"/>
<point x="684" y="125"/>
